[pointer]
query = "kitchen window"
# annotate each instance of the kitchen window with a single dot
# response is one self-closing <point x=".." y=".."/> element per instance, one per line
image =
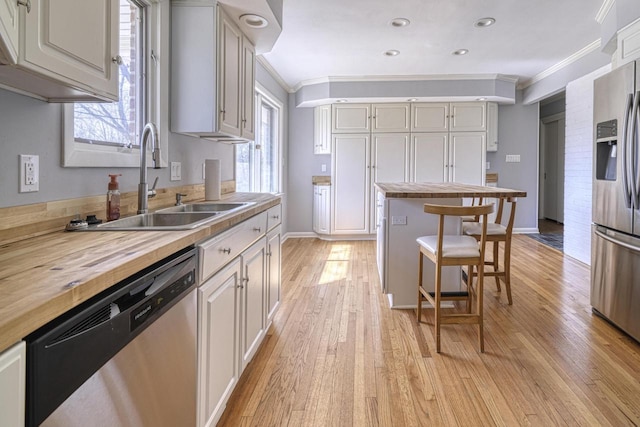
<point x="107" y="134"/>
<point x="258" y="162"/>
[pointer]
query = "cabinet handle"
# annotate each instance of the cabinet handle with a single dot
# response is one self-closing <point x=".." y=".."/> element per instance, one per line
<point x="26" y="3"/>
<point x="275" y="216"/>
<point x="225" y="250"/>
<point x="257" y="229"/>
<point x="117" y="59"/>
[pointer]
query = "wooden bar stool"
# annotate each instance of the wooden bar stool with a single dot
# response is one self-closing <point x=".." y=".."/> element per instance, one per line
<point x="476" y="201"/>
<point x="496" y="233"/>
<point x="446" y="250"/>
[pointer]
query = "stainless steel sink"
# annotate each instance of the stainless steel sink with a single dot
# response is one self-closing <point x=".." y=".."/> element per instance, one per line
<point x="219" y="207"/>
<point x="159" y="221"/>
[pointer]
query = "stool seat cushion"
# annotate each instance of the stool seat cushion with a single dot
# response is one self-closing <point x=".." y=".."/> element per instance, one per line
<point x="475" y="228"/>
<point x="452" y="246"/>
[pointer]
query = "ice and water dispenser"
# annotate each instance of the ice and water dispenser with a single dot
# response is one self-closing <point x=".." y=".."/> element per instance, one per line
<point x="607" y="150"/>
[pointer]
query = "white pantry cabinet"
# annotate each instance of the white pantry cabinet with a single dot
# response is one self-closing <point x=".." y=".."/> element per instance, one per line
<point x="218" y="331"/>
<point x="322" y="129"/>
<point x="390" y="118"/>
<point x="351" y="118"/>
<point x="53" y="60"/>
<point x="322" y="209"/>
<point x="362" y="118"/>
<point x="443" y="117"/>
<point x="212" y="74"/>
<point x="13" y="363"/>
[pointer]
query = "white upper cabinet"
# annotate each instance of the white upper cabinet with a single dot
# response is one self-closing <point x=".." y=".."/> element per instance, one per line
<point x="9" y="31"/>
<point x="430" y="117"/>
<point x="61" y="50"/>
<point x="212" y="74"/>
<point x="468" y="116"/>
<point x="390" y="118"/>
<point x="492" y="126"/>
<point x="351" y="118"/>
<point x="322" y="129"/>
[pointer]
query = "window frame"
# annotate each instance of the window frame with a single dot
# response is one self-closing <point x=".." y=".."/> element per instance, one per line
<point x="263" y="95"/>
<point x="155" y="67"/>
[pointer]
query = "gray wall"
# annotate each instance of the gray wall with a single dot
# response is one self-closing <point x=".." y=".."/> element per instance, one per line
<point x="29" y="126"/>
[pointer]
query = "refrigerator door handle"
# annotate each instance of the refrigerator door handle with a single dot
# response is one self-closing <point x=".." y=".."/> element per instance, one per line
<point x="634" y="161"/>
<point x="617" y="242"/>
<point x="626" y="138"/>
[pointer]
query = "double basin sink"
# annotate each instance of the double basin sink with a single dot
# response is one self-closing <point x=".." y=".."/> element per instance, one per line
<point x="182" y="217"/>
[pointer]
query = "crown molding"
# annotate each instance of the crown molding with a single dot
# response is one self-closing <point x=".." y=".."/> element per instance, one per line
<point x="604" y="10"/>
<point x="591" y="47"/>
<point x="276" y="76"/>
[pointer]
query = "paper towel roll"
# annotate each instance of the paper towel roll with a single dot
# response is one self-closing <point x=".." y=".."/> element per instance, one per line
<point x="212" y="179"/>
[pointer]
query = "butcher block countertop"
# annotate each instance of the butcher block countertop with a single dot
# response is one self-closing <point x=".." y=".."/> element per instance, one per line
<point x="428" y="190"/>
<point x="45" y="276"/>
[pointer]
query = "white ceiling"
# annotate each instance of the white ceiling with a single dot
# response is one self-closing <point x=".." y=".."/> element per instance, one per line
<point x="347" y="38"/>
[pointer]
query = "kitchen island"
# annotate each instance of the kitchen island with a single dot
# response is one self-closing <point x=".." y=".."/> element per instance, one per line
<point x="401" y="219"/>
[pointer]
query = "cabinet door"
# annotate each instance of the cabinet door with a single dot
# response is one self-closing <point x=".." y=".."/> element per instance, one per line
<point x="467" y="154"/>
<point x="321" y="209"/>
<point x="229" y="75"/>
<point x="218" y="329"/>
<point x="13" y="364"/>
<point x="273" y="272"/>
<point x="429" y="157"/>
<point x="468" y="116"/>
<point x="390" y="163"/>
<point x="390" y="117"/>
<point x="350" y="118"/>
<point x="350" y="181"/>
<point x="52" y="47"/>
<point x="430" y="117"/>
<point x="322" y="129"/>
<point x="492" y="126"/>
<point x="253" y="289"/>
<point x="9" y="31"/>
<point x="248" y="89"/>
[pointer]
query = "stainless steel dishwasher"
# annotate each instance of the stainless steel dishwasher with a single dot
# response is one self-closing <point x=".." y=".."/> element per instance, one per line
<point x="127" y="357"/>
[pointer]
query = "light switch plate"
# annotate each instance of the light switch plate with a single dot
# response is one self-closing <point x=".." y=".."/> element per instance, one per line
<point x="176" y="171"/>
<point x="513" y="158"/>
<point x="323" y="167"/>
<point x="398" y="220"/>
<point x="29" y="173"/>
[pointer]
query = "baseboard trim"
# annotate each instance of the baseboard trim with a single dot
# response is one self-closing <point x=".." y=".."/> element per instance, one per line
<point x="327" y="237"/>
<point x="532" y="230"/>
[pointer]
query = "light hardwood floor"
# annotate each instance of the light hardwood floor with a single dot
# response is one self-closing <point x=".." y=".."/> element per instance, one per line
<point x="337" y="355"/>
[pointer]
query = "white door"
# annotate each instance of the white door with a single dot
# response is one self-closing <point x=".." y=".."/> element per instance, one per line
<point x="430" y="117"/>
<point x="51" y="45"/>
<point x="248" y="89"/>
<point x="389" y="163"/>
<point x="390" y="118"/>
<point x="467" y="157"/>
<point x="229" y="78"/>
<point x="9" y="10"/>
<point x="429" y="161"/>
<point x="468" y="116"/>
<point x="350" y="183"/>
<point x="253" y="314"/>
<point x="350" y="118"/>
<point x="218" y="328"/>
<point x="273" y="272"/>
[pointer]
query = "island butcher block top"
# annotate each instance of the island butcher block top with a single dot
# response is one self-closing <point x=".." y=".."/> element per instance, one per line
<point x="446" y="190"/>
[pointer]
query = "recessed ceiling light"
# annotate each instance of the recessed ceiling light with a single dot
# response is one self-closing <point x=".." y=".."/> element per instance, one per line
<point x="484" y="22"/>
<point x="341" y="100"/>
<point x="400" y="22"/>
<point x="253" y="21"/>
<point x="392" y="52"/>
<point x="460" y="52"/>
<point x="412" y="99"/>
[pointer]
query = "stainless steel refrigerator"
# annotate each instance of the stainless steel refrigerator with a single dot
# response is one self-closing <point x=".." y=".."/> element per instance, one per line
<point x="615" y="240"/>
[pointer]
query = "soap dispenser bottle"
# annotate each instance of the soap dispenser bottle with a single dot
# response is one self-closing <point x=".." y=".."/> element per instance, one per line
<point x="113" y="199"/>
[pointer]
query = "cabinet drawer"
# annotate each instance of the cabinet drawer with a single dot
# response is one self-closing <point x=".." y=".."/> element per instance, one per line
<point x="274" y="216"/>
<point x="219" y="250"/>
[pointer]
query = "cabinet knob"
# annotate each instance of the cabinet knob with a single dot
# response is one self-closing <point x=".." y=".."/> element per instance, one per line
<point x="225" y="250"/>
<point x="117" y="59"/>
<point x="276" y="217"/>
<point x="257" y="229"/>
<point x="26" y="3"/>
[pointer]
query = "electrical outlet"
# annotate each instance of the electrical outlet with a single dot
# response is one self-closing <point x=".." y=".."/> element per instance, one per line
<point x="398" y="220"/>
<point x="513" y="158"/>
<point x="323" y="167"/>
<point x="203" y="172"/>
<point x="29" y="173"/>
<point x="488" y="165"/>
<point x="176" y="171"/>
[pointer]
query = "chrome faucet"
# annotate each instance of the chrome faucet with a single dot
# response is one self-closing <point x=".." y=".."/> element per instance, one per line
<point x="144" y="193"/>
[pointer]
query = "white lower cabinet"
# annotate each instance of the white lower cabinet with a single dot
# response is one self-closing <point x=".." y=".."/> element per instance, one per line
<point x="322" y="209"/>
<point x="238" y="296"/>
<point x="253" y="322"/>
<point x="219" y="307"/>
<point x="12" y="385"/>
